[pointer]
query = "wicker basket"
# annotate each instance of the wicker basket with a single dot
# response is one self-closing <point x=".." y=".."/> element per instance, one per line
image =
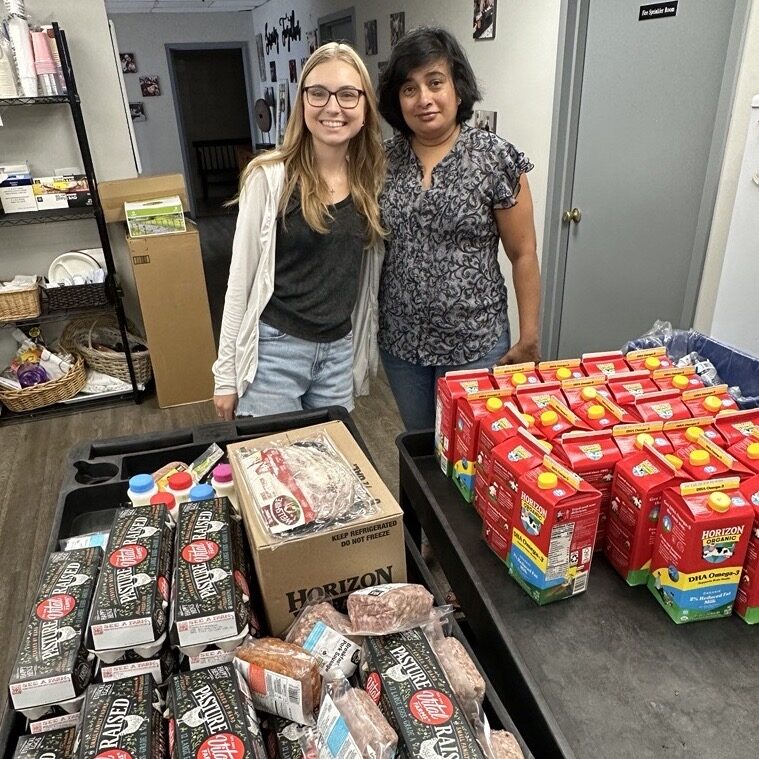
<point x="47" y="393"/>
<point x="20" y="304"/>
<point x="80" y="334"/>
<point x="76" y="296"/>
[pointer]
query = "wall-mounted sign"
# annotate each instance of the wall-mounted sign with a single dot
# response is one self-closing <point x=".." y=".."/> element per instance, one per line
<point x="658" y="10"/>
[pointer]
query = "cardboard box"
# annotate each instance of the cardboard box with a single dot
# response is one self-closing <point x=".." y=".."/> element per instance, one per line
<point x="16" y="193"/>
<point x="333" y="562"/>
<point x="161" y="216"/>
<point x="171" y="285"/>
<point x="115" y="193"/>
<point x="68" y="191"/>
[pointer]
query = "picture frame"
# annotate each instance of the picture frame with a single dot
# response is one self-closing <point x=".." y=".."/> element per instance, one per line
<point x="128" y="63"/>
<point x="137" y="111"/>
<point x="260" y="54"/>
<point x="282" y="106"/>
<point x="273" y="70"/>
<point x="397" y="27"/>
<point x="483" y="19"/>
<point x="485" y="120"/>
<point x="293" y="68"/>
<point x="150" y="86"/>
<point x="370" y="37"/>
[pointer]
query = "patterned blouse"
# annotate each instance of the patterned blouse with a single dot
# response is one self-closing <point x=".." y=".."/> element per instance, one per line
<point x="442" y="298"/>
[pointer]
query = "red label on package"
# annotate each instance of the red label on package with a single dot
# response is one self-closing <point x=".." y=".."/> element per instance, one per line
<point x="128" y="556"/>
<point x="200" y="551"/>
<point x="431" y="707"/>
<point x="55" y="607"/>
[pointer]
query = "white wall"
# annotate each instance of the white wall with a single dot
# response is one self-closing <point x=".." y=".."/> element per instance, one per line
<point x="145" y="35"/>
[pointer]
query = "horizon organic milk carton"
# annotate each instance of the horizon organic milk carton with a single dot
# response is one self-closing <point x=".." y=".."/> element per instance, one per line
<point x="747" y="598"/>
<point x="709" y="400"/>
<point x="532" y="399"/>
<point x="701" y="542"/>
<point x="573" y="389"/>
<point x="662" y="406"/>
<point x="450" y="388"/>
<point x="747" y="451"/>
<point x="640" y="478"/>
<point x="599" y="412"/>
<point x="704" y="460"/>
<point x="677" y="379"/>
<point x="606" y="362"/>
<point x="556" y="419"/>
<point x="564" y="369"/>
<point x="735" y="425"/>
<point x="626" y="437"/>
<point x="678" y="435"/>
<point x="626" y="387"/>
<point x="650" y="359"/>
<point x="515" y="375"/>
<point x="554" y="522"/>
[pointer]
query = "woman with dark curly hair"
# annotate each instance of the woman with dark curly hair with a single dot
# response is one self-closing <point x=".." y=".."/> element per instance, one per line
<point x="449" y="199"/>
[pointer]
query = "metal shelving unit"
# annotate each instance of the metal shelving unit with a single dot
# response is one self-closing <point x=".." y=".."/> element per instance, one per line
<point x="71" y="98"/>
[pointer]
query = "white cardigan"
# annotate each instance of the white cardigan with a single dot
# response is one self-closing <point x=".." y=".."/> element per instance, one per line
<point x="251" y="284"/>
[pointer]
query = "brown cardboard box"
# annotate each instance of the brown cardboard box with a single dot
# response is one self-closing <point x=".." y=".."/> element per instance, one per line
<point x="115" y="193"/>
<point x="171" y="285"/>
<point x="337" y="561"/>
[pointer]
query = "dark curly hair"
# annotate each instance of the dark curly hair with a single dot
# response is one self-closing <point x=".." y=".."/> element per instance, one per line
<point x="418" y="48"/>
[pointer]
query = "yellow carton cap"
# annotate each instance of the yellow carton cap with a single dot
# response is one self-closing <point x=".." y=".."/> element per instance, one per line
<point x="518" y="378"/>
<point x="693" y="433"/>
<point x="719" y="501"/>
<point x="588" y="393"/>
<point x="596" y="411"/>
<point x="549" y="418"/>
<point x="493" y="404"/>
<point x="680" y="381"/>
<point x="752" y="451"/>
<point x="699" y="457"/>
<point x="676" y="461"/>
<point x="712" y="403"/>
<point x="547" y="480"/>
<point x="563" y="373"/>
<point x="528" y="419"/>
<point x="652" y="363"/>
<point x="643" y="439"/>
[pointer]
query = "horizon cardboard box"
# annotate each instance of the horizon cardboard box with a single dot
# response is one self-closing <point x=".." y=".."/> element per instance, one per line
<point x="160" y="216"/>
<point x="334" y="562"/>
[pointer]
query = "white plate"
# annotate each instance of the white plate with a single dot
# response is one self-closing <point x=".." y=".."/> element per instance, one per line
<point x="68" y="265"/>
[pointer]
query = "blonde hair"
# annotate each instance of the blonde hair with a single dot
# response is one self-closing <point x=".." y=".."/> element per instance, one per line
<point x="366" y="154"/>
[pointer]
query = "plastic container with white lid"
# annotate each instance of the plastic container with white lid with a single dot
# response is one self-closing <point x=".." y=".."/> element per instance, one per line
<point x="180" y="485"/>
<point x="141" y="489"/>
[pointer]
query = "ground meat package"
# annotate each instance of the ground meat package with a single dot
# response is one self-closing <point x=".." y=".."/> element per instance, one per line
<point x="52" y="666"/>
<point x="388" y="609"/>
<point x="122" y="719"/>
<point x="402" y="674"/>
<point x="283" y="678"/>
<point x="304" y="486"/>
<point x="56" y="744"/>
<point x="325" y="633"/>
<point x="130" y="610"/>
<point x="210" y="599"/>
<point x="464" y="677"/>
<point x="350" y="724"/>
<point x="503" y="745"/>
<point x="211" y="716"/>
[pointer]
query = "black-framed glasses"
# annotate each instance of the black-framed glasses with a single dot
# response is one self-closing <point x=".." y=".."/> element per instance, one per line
<point x="347" y="97"/>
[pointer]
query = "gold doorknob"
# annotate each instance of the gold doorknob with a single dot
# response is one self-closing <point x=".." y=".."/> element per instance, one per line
<point x="574" y="215"/>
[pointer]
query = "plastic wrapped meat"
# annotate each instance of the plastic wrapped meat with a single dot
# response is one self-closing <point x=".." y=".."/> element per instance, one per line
<point x="319" y="612"/>
<point x="504" y="745"/>
<point x="463" y="675"/>
<point x="387" y="609"/>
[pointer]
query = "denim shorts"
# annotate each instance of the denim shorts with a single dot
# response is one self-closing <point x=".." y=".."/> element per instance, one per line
<point x="295" y="374"/>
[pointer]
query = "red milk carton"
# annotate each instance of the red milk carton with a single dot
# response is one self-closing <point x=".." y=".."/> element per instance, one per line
<point x="450" y="388"/>
<point x="532" y="399"/>
<point x="556" y="419"/>
<point x="626" y="436"/>
<point x="564" y="369"/>
<point x="495" y="533"/>
<point x="704" y="460"/>
<point x="701" y="543"/>
<point x="626" y="387"/>
<point x="553" y="530"/>
<point x="469" y="412"/>
<point x="481" y="498"/>
<point x="680" y="432"/>
<point x="573" y="389"/>
<point x="747" y="598"/>
<point x="677" y="379"/>
<point x="747" y="451"/>
<point x="600" y="412"/>
<point x="592" y="455"/>
<point x="515" y="375"/>
<point x="662" y="406"/>
<point x="495" y="428"/>
<point x="709" y="400"/>
<point x="607" y="363"/>
<point x="650" y="359"/>
<point x="640" y="478"/>
<point x="735" y="425"/>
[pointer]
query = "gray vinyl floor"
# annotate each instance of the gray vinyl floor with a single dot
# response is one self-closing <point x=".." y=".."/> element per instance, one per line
<point x="33" y="454"/>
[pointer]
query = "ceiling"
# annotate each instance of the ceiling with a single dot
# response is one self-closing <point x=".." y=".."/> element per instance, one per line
<point x="180" y="6"/>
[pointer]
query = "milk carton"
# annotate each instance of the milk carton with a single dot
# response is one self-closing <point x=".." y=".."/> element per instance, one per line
<point x="704" y="460"/>
<point x="640" y="478"/>
<point x="450" y="388"/>
<point x="496" y="530"/>
<point x="677" y="379"/>
<point x="626" y="387"/>
<point x="701" y="543"/>
<point x="470" y="411"/>
<point x="556" y="419"/>
<point x="650" y="359"/>
<point x="747" y="598"/>
<point x="599" y="412"/>
<point x="683" y="431"/>
<point x="709" y="400"/>
<point x="592" y="455"/>
<point x="626" y="437"/>
<point x="573" y="389"/>
<point x="747" y="451"/>
<point x="515" y="375"/>
<point x="664" y="406"/>
<point x="564" y="369"/>
<point x="736" y="425"/>
<point x="608" y="363"/>
<point x="553" y="531"/>
<point x="532" y="399"/>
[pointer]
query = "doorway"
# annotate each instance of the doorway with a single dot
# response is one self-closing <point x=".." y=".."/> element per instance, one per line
<point x="214" y="119"/>
<point x="640" y="122"/>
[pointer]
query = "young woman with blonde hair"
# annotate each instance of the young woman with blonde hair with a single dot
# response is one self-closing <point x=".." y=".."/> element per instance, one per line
<point x="300" y="313"/>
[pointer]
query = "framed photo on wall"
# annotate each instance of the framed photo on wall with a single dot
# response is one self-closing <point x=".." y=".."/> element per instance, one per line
<point x="485" y="120"/>
<point x="137" y="111"/>
<point x="150" y="86"/>
<point x="370" y="37"/>
<point x="128" y="63"/>
<point x="397" y="27"/>
<point x="260" y="54"/>
<point x="273" y="70"/>
<point x="483" y="21"/>
<point x="283" y="108"/>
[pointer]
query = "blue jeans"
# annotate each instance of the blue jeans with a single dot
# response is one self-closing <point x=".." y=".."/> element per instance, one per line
<point x="413" y="385"/>
<point x="295" y="374"/>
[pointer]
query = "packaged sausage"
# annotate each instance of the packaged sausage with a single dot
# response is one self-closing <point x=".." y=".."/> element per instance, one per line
<point x="52" y="664"/>
<point x="403" y="676"/>
<point x="387" y="609"/>
<point x="283" y="678"/>
<point x="303" y="487"/>
<point x="462" y="673"/>
<point x="209" y="595"/>
<point x="55" y="744"/>
<point x="122" y="719"/>
<point x="323" y="631"/>
<point x="130" y="609"/>
<point x="351" y="724"/>
<point x="503" y="745"/>
<point x="211" y="715"/>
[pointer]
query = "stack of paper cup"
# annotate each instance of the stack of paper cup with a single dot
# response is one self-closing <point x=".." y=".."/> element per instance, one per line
<point x="44" y="64"/>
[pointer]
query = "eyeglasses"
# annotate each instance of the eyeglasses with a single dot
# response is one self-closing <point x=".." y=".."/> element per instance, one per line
<point x="347" y="97"/>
